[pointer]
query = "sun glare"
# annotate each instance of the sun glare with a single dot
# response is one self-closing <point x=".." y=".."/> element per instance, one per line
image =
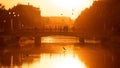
<point x="73" y="6"/>
<point x="58" y="61"/>
<point x="70" y="62"/>
<point x="65" y="3"/>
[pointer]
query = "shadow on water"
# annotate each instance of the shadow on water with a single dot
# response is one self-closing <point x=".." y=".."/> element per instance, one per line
<point x="16" y="56"/>
<point x="113" y="46"/>
<point x="2" y="44"/>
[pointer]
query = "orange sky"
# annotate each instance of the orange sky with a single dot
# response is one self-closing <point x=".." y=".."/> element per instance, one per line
<point x="69" y="8"/>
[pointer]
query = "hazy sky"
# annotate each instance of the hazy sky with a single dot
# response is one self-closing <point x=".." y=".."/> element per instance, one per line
<point x="70" y="8"/>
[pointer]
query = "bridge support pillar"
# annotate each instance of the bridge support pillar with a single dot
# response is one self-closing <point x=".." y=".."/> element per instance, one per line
<point x="37" y="40"/>
<point x="81" y="40"/>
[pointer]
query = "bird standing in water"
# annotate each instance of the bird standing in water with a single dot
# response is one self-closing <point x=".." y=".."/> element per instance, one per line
<point x="64" y="48"/>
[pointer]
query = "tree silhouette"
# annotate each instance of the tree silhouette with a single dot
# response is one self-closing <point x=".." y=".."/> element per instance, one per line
<point x="3" y="18"/>
<point x="2" y="7"/>
<point x="103" y="16"/>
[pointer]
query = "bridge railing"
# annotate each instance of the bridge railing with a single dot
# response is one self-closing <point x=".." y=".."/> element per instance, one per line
<point x="45" y="30"/>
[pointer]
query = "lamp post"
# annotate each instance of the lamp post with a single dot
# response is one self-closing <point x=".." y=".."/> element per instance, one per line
<point x="18" y="23"/>
<point x="4" y="25"/>
<point x="11" y="20"/>
<point x="12" y="16"/>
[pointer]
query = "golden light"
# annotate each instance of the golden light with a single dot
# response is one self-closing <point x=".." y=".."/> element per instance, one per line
<point x="57" y="61"/>
<point x="54" y="7"/>
<point x="70" y="62"/>
<point x="71" y="4"/>
<point x="47" y="40"/>
<point x="65" y="3"/>
<point x="73" y="7"/>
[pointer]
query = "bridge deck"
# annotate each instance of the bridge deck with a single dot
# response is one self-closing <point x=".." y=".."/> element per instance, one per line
<point x="50" y="33"/>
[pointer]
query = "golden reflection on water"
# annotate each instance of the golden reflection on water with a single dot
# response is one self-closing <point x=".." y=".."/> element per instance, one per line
<point x="57" y="61"/>
<point x="48" y="40"/>
<point x="70" y="62"/>
<point x="58" y="55"/>
<point x="59" y="39"/>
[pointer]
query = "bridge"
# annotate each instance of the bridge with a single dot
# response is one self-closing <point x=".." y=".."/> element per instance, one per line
<point x="37" y="34"/>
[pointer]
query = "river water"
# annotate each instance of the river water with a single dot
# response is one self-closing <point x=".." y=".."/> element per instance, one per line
<point x="57" y="52"/>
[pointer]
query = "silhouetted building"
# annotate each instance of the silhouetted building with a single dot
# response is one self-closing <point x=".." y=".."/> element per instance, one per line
<point x="27" y="16"/>
<point x="55" y="22"/>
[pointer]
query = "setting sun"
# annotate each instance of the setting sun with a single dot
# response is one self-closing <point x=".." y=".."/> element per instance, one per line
<point x="73" y="7"/>
<point x="71" y="4"/>
<point x="69" y="8"/>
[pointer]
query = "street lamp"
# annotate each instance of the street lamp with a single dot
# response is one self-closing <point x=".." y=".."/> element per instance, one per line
<point x="12" y="16"/>
<point x="20" y="25"/>
<point x="11" y="20"/>
<point x="3" y="26"/>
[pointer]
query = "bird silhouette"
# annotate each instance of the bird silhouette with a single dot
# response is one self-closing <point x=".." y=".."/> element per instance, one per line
<point x="64" y="48"/>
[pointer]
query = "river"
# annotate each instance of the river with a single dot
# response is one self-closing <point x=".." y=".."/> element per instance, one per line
<point x="57" y="52"/>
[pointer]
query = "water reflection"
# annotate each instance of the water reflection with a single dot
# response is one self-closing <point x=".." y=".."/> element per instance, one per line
<point x="47" y="40"/>
<point x="60" y="39"/>
<point x="36" y="59"/>
<point x="55" y="55"/>
<point x="56" y="61"/>
<point x="70" y="61"/>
